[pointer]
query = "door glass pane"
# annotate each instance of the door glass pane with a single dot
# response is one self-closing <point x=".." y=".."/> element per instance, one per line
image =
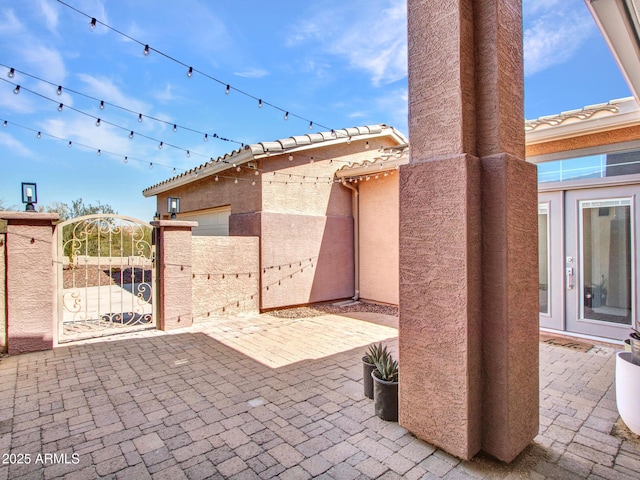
<point x="606" y="261"/>
<point x="543" y="256"/>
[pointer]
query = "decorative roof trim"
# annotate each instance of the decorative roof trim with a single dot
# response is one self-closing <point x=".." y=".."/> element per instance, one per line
<point x="613" y="115"/>
<point x="277" y="147"/>
<point x="389" y="159"/>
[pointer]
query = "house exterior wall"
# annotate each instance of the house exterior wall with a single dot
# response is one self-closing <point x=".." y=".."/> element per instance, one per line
<point x="379" y="205"/>
<point x="577" y="142"/>
<point x="226" y="276"/>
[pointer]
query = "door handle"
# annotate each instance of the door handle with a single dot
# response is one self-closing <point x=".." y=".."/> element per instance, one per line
<point x="569" y="273"/>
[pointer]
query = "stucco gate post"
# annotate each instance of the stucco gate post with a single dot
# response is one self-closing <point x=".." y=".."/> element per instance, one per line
<point x="29" y="281"/>
<point x="468" y="333"/>
<point x="174" y="273"/>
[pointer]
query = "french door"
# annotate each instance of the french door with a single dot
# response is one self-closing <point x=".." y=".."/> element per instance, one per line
<point x="591" y="272"/>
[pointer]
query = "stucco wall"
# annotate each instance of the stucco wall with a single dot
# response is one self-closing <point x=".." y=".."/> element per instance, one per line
<point x="305" y="259"/>
<point x="3" y="303"/>
<point x="226" y="276"/>
<point x="379" y="209"/>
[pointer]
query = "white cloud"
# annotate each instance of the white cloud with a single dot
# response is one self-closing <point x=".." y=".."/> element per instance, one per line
<point x="16" y="147"/>
<point x="554" y="37"/>
<point x="50" y="14"/>
<point x="375" y="42"/>
<point x="252" y="73"/>
<point x="107" y="90"/>
<point x="10" y="25"/>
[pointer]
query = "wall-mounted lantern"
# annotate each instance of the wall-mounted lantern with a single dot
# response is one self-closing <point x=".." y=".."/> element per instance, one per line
<point x="29" y="196"/>
<point x="173" y="206"/>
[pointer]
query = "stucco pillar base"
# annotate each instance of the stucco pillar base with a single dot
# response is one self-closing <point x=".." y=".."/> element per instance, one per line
<point x="509" y="305"/>
<point x="30" y="319"/>
<point x="174" y="272"/>
<point x="440" y="279"/>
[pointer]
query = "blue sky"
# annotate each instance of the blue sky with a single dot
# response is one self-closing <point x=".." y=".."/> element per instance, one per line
<point x="336" y="63"/>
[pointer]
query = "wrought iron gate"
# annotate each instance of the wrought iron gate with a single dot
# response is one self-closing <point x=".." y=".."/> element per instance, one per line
<point x="105" y="276"/>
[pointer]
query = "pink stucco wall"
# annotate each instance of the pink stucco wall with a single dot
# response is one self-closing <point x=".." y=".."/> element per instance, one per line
<point x="29" y="281"/>
<point x="3" y="303"/>
<point x="226" y="276"/>
<point x="379" y="239"/>
<point x="175" y="265"/>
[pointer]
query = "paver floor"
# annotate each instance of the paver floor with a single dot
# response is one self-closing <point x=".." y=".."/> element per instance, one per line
<point x="266" y="397"/>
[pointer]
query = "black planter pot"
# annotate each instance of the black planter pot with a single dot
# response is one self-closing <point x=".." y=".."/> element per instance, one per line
<point x="367" y="369"/>
<point x="385" y="399"/>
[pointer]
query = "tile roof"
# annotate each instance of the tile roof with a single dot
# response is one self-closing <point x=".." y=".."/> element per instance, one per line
<point x="250" y="152"/>
<point x="585" y="113"/>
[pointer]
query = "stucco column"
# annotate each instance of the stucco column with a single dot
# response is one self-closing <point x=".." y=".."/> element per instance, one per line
<point x="468" y="300"/>
<point x="174" y="273"/>
<point x="29" y="281"/>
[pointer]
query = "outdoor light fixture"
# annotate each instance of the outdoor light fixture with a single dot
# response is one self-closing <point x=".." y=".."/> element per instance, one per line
<point x="29" y="196"/>
<point x="173" y="206"/>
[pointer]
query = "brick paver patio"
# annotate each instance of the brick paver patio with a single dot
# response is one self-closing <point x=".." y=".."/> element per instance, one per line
<point x="266" y="397"/>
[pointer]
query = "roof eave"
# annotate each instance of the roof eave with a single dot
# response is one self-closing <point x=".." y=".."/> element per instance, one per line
<point x="618" y="23"/>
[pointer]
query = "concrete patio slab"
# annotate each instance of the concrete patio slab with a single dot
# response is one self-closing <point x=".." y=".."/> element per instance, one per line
<point x="266" y="397"/>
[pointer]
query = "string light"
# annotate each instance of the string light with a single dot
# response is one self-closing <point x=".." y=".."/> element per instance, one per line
<point x="4" y="124"/>
<point x="190" y="72"/>
<point x="101" y="104"/>
<point x="146" y="49"/>
<point x="188" y="154"/>
<point x="12" y="72"/>
<point x="150" y="165"/>
<point x="260" y="103"/>
<point x="99" y="152"/>
<point x="160" y="145"/>
<point x="139" y="117"/>
<point x="59" y="90"/>
<point x="126" y="159"/>
<point x="60" y="107"/>
<point x="175" y="127"/>
<point x="38" y="135"/>
<point x="17" y="89"/>
<point x="131" y="134"/>
<point x="290" y="158"/>
<point x="206" y="137"/>
<point x="69" y="144"/>
<point x="216" y="178"/>
<point x="227" y="90"/>
<point x="366" y="145"/>
<point x="286" y="116"/>
<point x="310" y="125"/>
<point x="235" y="180"/>
<point x="98" y="123"/>
<point x="92" y="25"/>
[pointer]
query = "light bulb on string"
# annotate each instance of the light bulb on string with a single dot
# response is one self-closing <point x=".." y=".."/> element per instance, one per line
<point x="126" y="159"/>
<point x="146" y="49"/>
<point x="131" y="134"/>
<point x="349" y="141"/>
<point x="290" y="157"/>
<point x="310" y="125"/>
<point x="97" y="122"/>
<point x="253" y="183"/>
<point x="206" y="137"/>
<point x="188" y="153"/>
<point x="12" y="73"/>
<point x="92" y="24"/>
<point x="238" y="169"/>
<point x="286" y="116"/>
<point x="99" y="152"/>
<point x="190" y="72"/>
<point x="175" y="127"/>
<point x="38" y="135"/>
<point x="174" y="170"/>
<point x="333" y="133"/>
<point x="160" y="145"/>
<point x="235" y="180"/>
<point x="256" y="173"/>
<point x="101" y="104"/>
<point x="260" y="103"/>
<point x="366" y="145"/>
<point x="311" y="160"/>
<point x="216" y="178"/>
<point x="228" y="89"/>
<point x="69" y="144"/>
<point x="17" y="89"/>
<point x="150" y="166"/>
<point x="60" y="107"/>
<point x="139" y="117"/>
<point x="4" y="124"/>
<point x="59" y="90"/>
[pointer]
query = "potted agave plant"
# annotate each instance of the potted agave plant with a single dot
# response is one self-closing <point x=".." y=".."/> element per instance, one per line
<point x="385" y="387"/>
<point x="368" y="365"/>
<point x="628" y="384"/>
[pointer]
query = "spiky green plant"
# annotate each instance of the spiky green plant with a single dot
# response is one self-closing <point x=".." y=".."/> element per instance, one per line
<point x="374" y="352"/>
<point x="635" y="334"/>
<point x="386" y="368"/>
